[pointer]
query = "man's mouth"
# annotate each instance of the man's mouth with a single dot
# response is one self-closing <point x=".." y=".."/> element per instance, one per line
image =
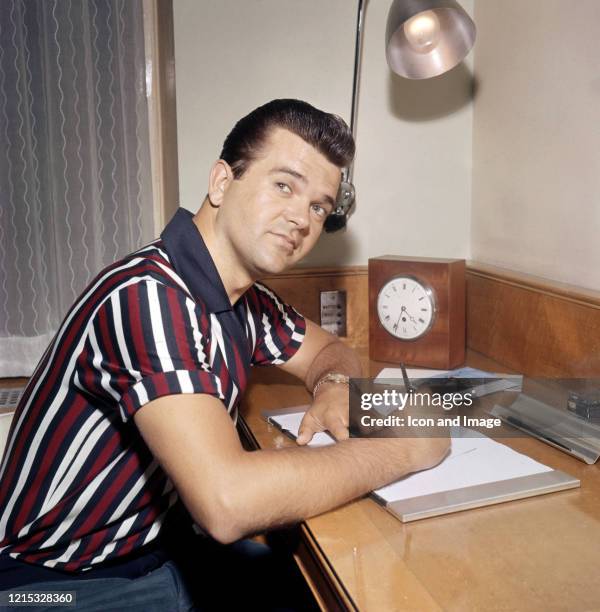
<point x="288" y="241"/>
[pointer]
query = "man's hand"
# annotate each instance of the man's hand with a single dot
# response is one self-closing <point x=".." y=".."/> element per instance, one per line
<point x="424" y="453"/>
<point x="329" y="411"/>
<point x="322" y="353"/>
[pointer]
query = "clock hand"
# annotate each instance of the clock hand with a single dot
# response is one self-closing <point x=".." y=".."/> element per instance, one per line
<point x="403" y="310"/>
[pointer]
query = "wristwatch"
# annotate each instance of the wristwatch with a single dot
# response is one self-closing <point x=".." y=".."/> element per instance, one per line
<point x="331" y="377"/>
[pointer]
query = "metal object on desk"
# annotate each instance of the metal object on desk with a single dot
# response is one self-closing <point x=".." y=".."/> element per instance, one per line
<point x="10" y="396"/>
<point x="585" y="405"/>
<point x="553" y="426"/>
<point x="9" y="400"/>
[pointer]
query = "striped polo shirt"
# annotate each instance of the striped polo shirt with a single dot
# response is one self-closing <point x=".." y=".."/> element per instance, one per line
<point x="78" y="485"/>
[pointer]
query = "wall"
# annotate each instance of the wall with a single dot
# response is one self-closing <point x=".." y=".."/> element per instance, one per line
<point x="536" y="146"/>
<point x="413" y="166"/>
<point x="232" y="55"/>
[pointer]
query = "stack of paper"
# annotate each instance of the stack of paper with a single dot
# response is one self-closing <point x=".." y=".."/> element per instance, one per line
<point x="473" y="460"/>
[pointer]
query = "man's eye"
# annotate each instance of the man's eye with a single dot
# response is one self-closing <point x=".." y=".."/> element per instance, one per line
<point x="319" y="210"/>
<point x="283" y="187"/>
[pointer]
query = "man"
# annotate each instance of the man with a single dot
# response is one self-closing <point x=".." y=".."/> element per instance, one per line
<point x="133" y="406"/>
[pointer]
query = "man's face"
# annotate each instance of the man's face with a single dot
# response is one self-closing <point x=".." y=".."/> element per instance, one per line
<point x="273" y="215"/>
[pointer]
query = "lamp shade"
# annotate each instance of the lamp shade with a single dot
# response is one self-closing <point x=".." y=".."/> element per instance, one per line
<point x="425" y="38"/>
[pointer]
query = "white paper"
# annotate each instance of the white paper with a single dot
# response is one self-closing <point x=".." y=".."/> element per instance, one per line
<point x="472" y="461"/>
<point x="396" y="373"/>
<point x="291" y="423"/>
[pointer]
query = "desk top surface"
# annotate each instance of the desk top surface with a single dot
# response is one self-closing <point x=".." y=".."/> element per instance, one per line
<point x="530" y="554"/>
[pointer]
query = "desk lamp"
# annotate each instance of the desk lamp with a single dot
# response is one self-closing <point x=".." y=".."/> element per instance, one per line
<point x="423" y="39"/>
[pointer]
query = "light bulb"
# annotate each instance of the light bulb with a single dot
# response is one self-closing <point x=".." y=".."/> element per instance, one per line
<point x="423" y="31"/>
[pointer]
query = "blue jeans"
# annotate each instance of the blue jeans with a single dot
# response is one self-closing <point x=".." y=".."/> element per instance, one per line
<point x="243" y="575"/>
<point x="162" y="590"/>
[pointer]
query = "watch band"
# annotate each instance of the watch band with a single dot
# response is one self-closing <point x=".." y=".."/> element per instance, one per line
<point x="333" y="377"/>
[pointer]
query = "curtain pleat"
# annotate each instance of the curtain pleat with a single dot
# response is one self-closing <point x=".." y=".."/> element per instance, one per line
<point x="75" y="184"/>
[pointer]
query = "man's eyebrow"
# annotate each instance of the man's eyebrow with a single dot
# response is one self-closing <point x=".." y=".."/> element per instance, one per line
<point x="329" y="200"/>
<point x="286" y="170"/>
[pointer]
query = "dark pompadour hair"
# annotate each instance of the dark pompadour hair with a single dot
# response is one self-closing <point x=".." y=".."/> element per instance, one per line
<point x="327" y="133"/>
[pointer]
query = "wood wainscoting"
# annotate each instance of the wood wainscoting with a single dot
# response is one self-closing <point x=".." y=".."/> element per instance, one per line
<point x="302" y="287"/>
<point x="531" y="325"/>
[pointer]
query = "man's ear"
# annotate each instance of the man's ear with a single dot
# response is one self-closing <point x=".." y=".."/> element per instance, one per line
<point x="219" y="179"/>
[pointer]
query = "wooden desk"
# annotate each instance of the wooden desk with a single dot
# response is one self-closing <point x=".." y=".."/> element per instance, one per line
<point x="541" y="553"/>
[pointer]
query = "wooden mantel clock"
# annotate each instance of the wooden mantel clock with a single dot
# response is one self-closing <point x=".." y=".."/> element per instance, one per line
<point x="417" y="311"/>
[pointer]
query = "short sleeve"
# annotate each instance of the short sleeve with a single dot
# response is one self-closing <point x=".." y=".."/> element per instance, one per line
<point x="146" y="340"/>
<point x="277" y="328"/>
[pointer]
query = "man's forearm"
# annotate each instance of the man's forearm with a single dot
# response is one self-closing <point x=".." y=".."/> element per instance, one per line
<point x="335" y="357"/>
<point x="271" y="488"/>
<point x="232" y="492"/>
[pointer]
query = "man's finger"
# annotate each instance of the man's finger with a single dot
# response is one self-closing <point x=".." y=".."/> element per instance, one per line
<point x="339" y="431"/>
<point x="308" y="427"/>
<point x="337" y="426"/>
<point x="304" y="436"/>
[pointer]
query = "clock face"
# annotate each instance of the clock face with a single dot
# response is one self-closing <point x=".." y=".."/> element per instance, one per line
<point x="406" y="308"/>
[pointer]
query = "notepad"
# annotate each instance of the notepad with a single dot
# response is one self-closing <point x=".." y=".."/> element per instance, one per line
<point x="477" y="472"/>
<point x="472" y="461"/>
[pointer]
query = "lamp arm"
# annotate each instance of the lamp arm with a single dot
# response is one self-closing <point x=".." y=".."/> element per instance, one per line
<point x="358" y="45"/>
<point x="345" y="197"/>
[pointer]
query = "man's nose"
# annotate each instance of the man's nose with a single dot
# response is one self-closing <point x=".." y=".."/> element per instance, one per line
<point x="298" y="214"/>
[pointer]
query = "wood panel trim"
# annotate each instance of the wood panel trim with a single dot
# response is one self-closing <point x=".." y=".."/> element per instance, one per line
<point x="300" y="287"/>
<point x="555" y="289"/>
<point x="571" y="293"/>
<point x="162" y="119"/>
<point x="530" y="324"/>
<point x="533" y="325"/>
<point x="320" y="272"/>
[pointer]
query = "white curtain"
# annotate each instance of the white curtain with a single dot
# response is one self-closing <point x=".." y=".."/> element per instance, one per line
<point x="75" y="184"/>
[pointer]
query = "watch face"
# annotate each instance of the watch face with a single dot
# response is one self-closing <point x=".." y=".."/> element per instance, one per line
<point x="406" y="307"/>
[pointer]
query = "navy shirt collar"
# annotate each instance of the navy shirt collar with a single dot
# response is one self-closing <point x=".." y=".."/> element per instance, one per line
<point x="192" y="261"/>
